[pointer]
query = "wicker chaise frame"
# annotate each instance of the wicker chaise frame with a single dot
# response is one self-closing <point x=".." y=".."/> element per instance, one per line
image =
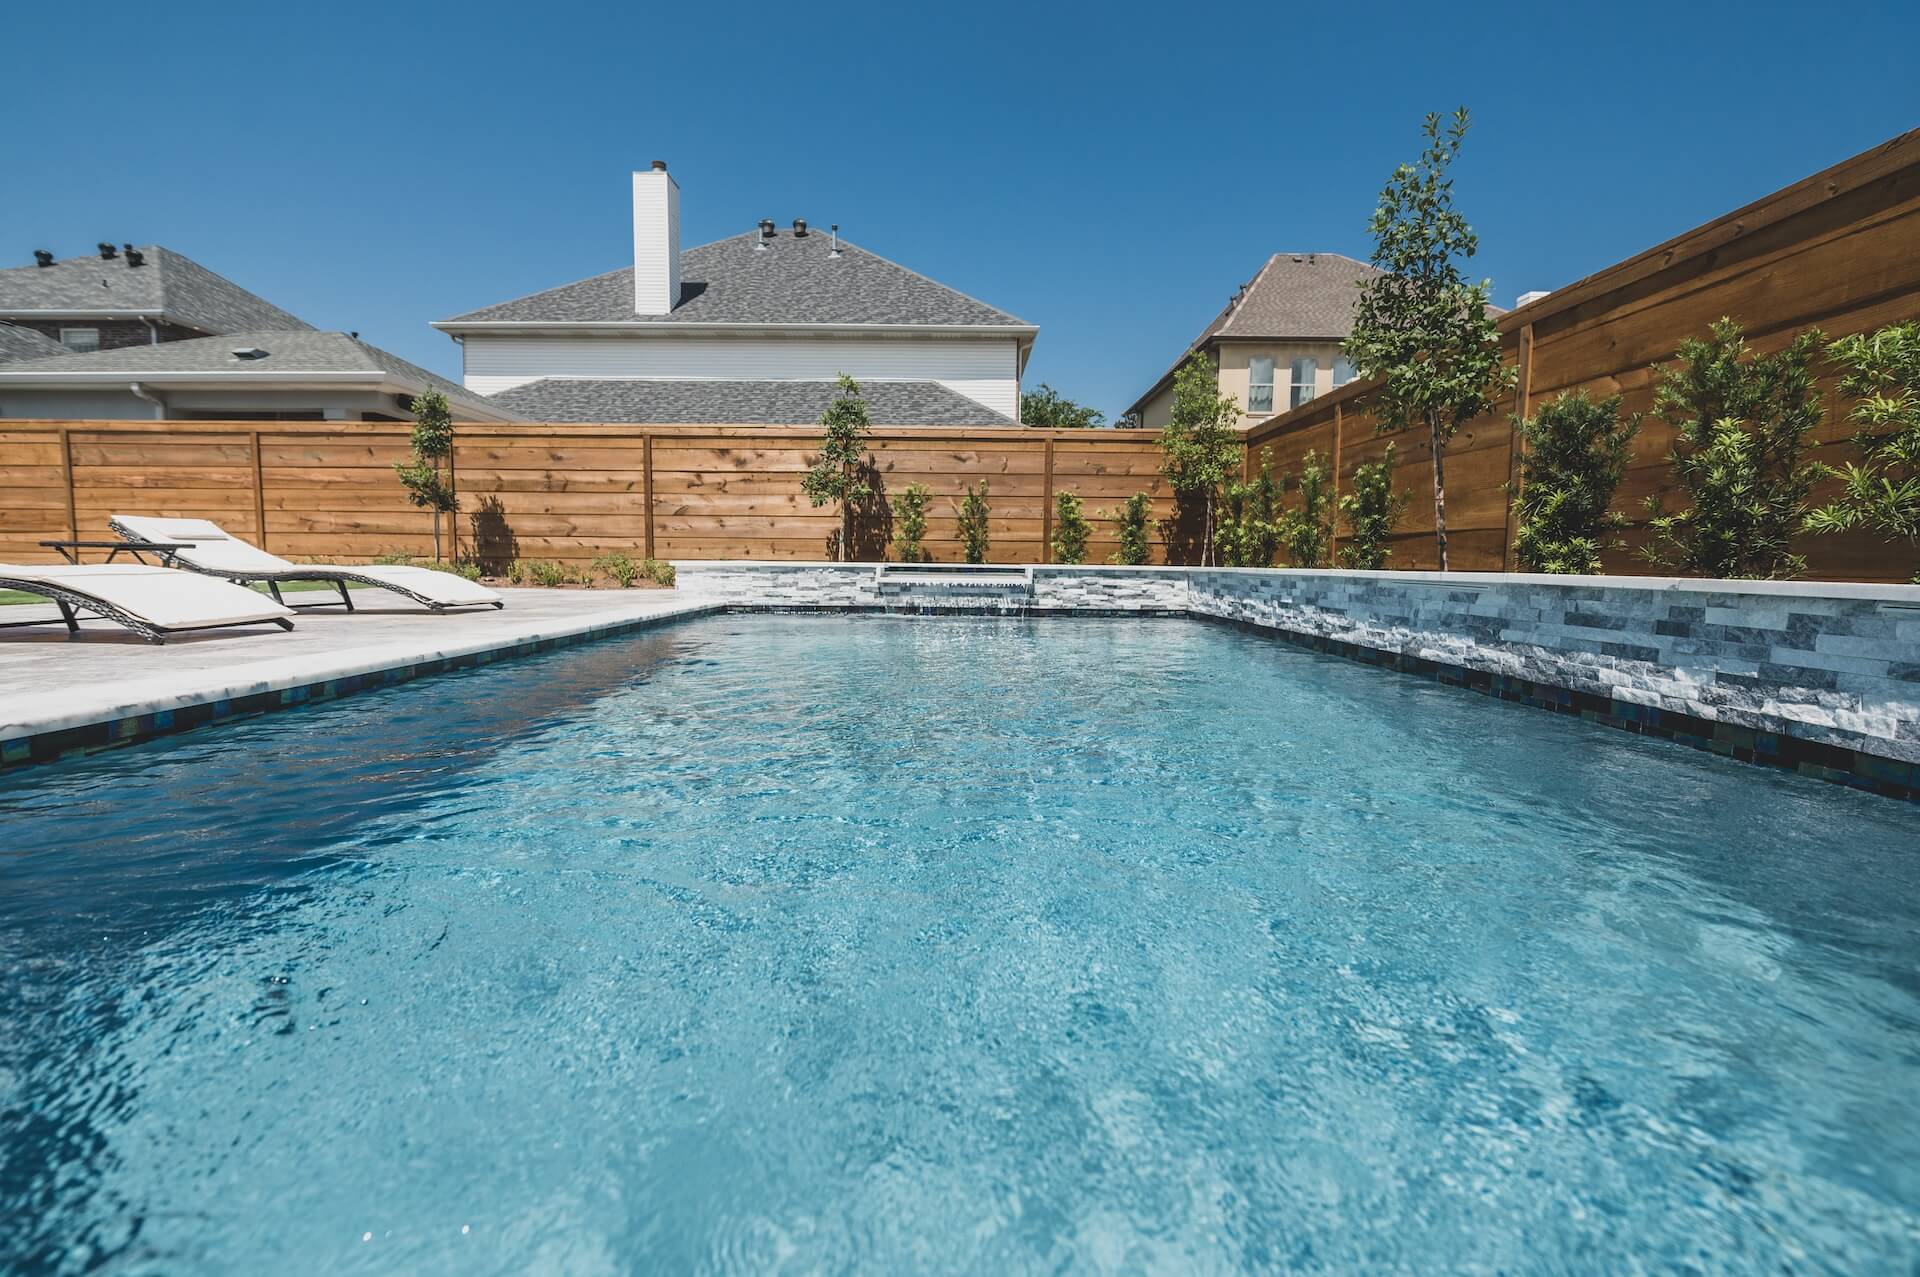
<point x="336" y="576"/>
<point x="71" y="602"/>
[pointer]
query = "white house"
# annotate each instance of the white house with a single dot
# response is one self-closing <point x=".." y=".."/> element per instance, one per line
<point x="750" y="329"/>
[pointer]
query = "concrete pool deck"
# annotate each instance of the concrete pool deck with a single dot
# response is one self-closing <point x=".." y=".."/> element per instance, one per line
<point x="107" y="686"/>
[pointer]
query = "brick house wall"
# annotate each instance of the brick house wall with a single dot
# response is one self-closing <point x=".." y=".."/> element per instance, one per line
<point x="114" y="333"/>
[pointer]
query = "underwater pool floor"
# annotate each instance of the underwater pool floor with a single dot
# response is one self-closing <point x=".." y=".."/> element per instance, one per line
<point x="761" y="943"/>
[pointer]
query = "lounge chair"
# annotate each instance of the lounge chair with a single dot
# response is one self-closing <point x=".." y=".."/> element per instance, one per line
<point x="153" y="602"/>
<point x="218" y="554"/>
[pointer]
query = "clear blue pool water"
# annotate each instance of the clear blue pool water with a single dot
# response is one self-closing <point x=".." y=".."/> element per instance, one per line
<point x="851" y="944"/>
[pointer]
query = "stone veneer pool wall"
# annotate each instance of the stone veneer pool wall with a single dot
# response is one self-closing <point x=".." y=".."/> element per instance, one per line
<point x="1822" y="678"/>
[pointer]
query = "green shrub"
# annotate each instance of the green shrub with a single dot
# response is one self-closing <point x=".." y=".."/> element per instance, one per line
<point x="1131" y="520"/>
<point x="618" y="567"/>
<point x="1881" y="374"/>
<point x="470" y="571"/>
<point x="1371" y="510"/>
<point x="660" y="572"/>
<point x="1247" y="525"/>
<point x="1742" y="426"/>
<point x="1576" y="452"/>
<point x="517" y="572"/>
<point x="910" y="523"/>
<point x="973" y="511"/>
<point x="1070" y="529"/>
<point x="1307" y="531"/>
<point x="547" y="572"/>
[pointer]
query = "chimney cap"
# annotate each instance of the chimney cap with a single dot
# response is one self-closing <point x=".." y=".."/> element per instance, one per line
<point x="659" y="166"/>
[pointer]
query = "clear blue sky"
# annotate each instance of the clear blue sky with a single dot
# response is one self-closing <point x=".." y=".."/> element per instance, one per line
<point x="1109" y="173"/>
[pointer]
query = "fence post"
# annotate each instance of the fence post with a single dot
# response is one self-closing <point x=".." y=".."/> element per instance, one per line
<point x="1333" y="538"/>
<point x="1046" y="507"/>
<point x="646" y="490"/>
<point x="453" y="486"/>
<point x="66" y="472"/>
<point x="1516" y="442"/>
<point x="259" y="494"/>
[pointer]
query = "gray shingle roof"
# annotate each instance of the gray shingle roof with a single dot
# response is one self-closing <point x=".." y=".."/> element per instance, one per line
<point x="796" y="280"/>
<point x="289" y="352"/>
<point x="169" y="286"/>
<point x="774" y="403"/>
<point x="1295" y="295"/>
<point x="24" y="343"/>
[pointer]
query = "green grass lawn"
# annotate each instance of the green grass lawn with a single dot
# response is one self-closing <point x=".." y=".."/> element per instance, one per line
<point x="8" y="597"/>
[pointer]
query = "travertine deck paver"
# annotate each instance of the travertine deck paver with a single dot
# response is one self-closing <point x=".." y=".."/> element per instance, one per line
<point x="49" y="681"/>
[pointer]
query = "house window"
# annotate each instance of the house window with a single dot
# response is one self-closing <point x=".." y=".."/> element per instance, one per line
<point x="1305" y="372"/>
<point x="1260" y="385"/>
<point x="1342" y="371"/>
<point x="80" y="339"/>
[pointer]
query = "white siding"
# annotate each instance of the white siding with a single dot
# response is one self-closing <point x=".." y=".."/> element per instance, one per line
<point x="985" y="370"/>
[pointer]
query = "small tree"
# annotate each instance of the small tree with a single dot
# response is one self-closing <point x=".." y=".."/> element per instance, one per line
<point x="972" y="514"/>
<point x="1420" y="327"/>
<point x="427" y="485"/>
<point x="910" y="523"/>
<point x="1576" y="453"/>
<point x="1742" y="424"/>
<point x="1881" y="374"/>
<point x="840" y="472"/>
<point x="1307" y="531"/>
<point x="1371" y="510"/>
<point x="1048" y="407"/>
<point x="1249" y="530"/>
<point x="1070" y="529"/>
<point x="1131" y="528"/>
<point x="1200" y="448"/>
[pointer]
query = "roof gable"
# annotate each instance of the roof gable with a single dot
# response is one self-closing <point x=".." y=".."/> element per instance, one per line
<point x="795" y="279"/>
<point x="167" y="286"/>
<point x="708" y="403"/>
<point x="24" y="343"/>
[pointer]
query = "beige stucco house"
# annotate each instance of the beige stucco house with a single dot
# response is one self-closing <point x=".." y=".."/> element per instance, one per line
<point x="1277" y="343"/>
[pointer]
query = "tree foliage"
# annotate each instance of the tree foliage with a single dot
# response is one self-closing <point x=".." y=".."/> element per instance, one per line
<point x="1742" y="426"/>
<point x="973" y="511"/>
<point x="426" y="474"/>
<point x="1248" y="533"/>
<point x="841" y="472"/>
<point x="1371" y="510"/>
<point x="1576" y="452"/>
<point x="1420" y="327"/>
<point x="1307" y="530"/>
<point x="1200" y="447"/>
<point x="1880" y="373"/>
<point x="1130" y="526"/>
<point x="910" y="523"/>
<point x="1048" y="407"/>
<point x="1070" y="529"/>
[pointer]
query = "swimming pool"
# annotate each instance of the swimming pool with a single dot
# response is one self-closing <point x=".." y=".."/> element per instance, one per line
<point x="803" y="943"/>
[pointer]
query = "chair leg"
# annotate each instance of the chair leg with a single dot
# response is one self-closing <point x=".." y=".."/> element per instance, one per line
<point x="344" y="596"/>
<point x="273" y="588"/>
<point x="66" y="614"/>
<point x="283" y="622"/>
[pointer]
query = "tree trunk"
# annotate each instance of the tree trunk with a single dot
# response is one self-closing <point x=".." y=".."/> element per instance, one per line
<point x="846" y="533"/>
<point x="1439" y="488"/>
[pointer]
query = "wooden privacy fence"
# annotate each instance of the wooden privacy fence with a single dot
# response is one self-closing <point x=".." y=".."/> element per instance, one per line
<point x="1840" y="251"/>
<point x="327" y="490"/>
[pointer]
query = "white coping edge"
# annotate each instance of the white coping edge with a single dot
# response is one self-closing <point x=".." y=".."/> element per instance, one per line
<point x="1908" y="595"/>
<point x="44" y="712"/>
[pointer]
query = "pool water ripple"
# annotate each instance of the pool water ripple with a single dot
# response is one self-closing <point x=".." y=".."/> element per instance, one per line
<point x="832" y="944"/>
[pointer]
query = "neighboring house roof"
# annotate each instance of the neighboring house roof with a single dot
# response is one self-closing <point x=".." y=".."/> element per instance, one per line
<point x="24" y="343"/>
<point x="1294" y="297"/>
<point x="166" y="287"/>
<point x="293" y="357"/>
<point x="795" y="279"/>
<point x="796" y="403"/>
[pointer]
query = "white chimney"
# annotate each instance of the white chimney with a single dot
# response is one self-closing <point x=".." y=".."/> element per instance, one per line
<point x="1529" y="298"/>
<point x="656" y="241"/>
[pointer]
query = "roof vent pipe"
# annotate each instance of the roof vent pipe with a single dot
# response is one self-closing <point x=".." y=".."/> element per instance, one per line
<point x="835" y="246"/>
<point x="41" y="257"/>
<point x="108" y="252"/>
<point x="659" y="166"/>
<point x="766" y="233"/>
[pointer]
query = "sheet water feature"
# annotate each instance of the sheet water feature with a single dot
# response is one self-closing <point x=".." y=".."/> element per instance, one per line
<point x="861" y="943"/>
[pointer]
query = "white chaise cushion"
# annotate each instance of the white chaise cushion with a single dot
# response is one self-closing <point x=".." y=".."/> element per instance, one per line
<point x="213" y="550"/>
<point x="164" y="597"/>
<point x="442" y="587"/>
